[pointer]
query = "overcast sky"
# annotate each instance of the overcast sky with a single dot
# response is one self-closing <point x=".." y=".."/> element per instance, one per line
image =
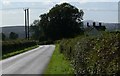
<point x="12" y="13"/>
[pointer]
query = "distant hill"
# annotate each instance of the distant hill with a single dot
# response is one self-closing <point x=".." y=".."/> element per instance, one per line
<point x="112" y="26"/>
<point x="20" y="30"/>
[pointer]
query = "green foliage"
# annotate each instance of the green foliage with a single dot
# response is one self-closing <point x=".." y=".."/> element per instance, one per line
<point x="13" y="35"/>
<point x="3" y="36"/>
<point x="46" y="42"/>
<point x="37" y="33"/>
<point x="94" y="55"/>
<point x="62" y="21"/>
<point x="59" y="64"/>
<point x="18" y="52"/>
<point x="12" y="46"/>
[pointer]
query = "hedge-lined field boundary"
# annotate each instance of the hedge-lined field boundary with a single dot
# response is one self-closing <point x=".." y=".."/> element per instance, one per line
<point x="18" y="52"/>
<point x="93" y="55"/>
<point x="13" y="46"/>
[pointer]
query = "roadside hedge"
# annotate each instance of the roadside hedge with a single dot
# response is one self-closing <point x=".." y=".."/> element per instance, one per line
<point x="12" y="46"/>
<point x="48" y="42"/>
<point x="93" y="55"/>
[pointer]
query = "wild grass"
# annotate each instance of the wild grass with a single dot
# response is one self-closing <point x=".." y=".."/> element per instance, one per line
<point x="59" y="64"/>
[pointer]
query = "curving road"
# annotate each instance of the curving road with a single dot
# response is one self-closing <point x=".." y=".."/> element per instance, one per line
<point x="31" y="62"/>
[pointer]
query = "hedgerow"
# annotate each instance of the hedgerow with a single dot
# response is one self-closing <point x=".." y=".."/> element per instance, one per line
<point x="93" y="55"/>
<point x="15" y="45"/>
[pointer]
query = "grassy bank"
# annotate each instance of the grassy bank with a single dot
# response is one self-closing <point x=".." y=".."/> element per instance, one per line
<point x="18" y="52"/>
<point x="58" y="64"/>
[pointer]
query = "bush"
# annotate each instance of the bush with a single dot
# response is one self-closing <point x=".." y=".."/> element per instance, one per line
<point x="46" y="42"/>
<point x="93" y="55"/>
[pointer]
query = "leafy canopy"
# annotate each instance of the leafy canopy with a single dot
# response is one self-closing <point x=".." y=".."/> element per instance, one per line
<point x="62" y="21"/>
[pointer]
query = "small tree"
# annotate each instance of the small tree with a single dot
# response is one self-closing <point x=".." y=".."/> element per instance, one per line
<point x="13" y="35"/>
<point x="35" y="30"/>
<point x="3" y="36"/>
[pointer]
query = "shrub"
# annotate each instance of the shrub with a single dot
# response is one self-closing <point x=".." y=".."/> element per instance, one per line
<point x="93" y="55"/>
<point x="46" y="42"/>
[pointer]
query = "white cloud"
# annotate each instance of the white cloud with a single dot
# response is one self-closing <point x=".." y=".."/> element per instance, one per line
<point x="42" y="0"/>
<point x="6" y="2"/>
<point x="62" y="1"/>
<point x="58" y="1"/>
<point x="0" y="18"/>
<point x="47" y="2"/>
<point x="9" y="12"/>
<point x="28" y="0"/>
<point x="84" y="1"/>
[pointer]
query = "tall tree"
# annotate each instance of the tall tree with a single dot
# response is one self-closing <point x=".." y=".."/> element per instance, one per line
<point x="61" y="21"/>
<point x="37" y="32"/>
<point x="13" y="35"/>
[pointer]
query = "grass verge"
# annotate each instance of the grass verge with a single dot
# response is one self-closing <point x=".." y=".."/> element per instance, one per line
<point x="18" y="52"/>
<point x="59" y="64"/>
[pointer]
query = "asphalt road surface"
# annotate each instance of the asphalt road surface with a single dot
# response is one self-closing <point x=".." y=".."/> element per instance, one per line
<point x="32" y="62"/>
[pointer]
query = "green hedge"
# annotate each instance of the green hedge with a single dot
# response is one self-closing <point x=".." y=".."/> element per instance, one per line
<point x="46" y="42"/>
<point x="93" y="55"/>
<point x="12" y="46"/>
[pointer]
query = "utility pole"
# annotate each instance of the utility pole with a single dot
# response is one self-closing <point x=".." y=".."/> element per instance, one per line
<point x="25" y="24"/>
<point x="28" y="21"/>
